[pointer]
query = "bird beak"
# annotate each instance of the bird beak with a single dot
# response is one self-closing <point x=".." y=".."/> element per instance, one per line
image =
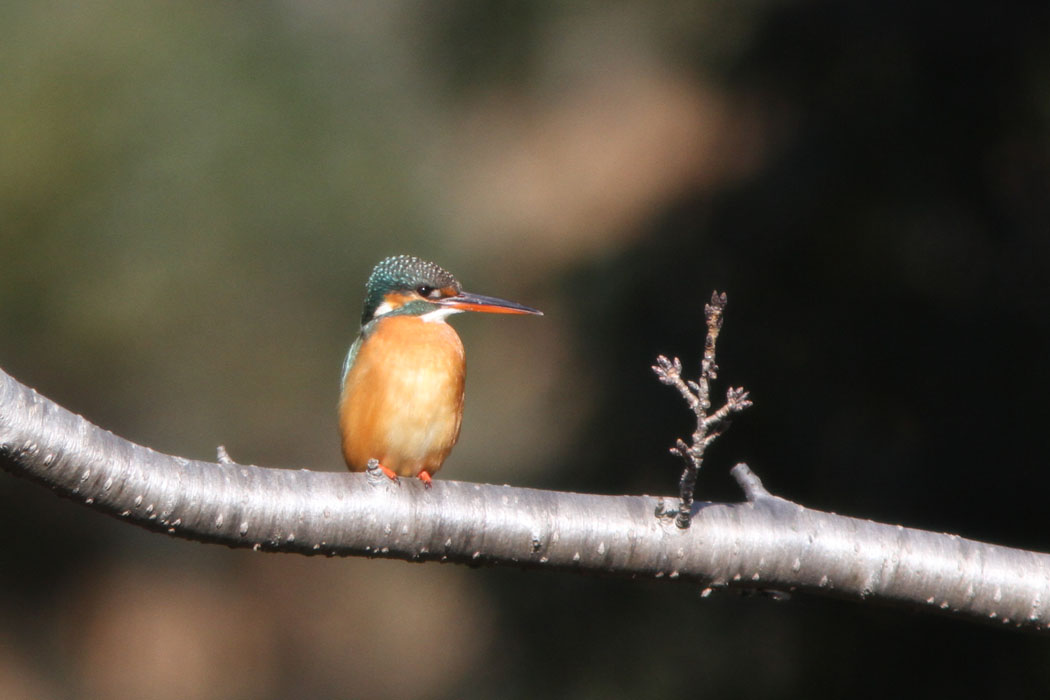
<point x="465" y="301"/>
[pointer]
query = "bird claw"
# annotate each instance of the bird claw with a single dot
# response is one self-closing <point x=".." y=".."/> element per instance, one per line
<point x="375" y="468"/>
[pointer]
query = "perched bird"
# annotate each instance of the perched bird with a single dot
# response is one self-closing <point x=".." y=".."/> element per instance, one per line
<point x="402" y="396"/>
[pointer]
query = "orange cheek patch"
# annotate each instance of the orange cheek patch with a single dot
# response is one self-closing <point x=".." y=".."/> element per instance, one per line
<point x="395" y="300"/>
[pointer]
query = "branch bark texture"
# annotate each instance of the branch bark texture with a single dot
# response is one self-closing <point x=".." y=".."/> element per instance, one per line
<point x="765" y="543"/>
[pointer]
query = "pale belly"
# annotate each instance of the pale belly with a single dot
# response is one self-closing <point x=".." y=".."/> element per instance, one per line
<point x="402" y="400"/>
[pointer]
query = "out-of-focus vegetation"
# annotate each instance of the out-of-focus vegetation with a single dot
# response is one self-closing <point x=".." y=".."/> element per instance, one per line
<point x="192" y="195"/>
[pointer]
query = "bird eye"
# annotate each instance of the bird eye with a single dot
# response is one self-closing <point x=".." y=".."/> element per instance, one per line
<point x="428" y="292"/>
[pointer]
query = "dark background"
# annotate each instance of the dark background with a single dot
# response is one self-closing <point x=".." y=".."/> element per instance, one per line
<point x="191" y="197"/>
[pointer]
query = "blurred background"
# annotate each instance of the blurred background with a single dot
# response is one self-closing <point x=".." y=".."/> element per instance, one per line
<point x="191" y="198"/>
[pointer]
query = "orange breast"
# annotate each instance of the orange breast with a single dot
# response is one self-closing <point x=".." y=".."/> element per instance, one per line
<point x="402" y="399"/>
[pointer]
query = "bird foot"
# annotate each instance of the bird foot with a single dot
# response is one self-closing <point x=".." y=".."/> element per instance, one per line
<point x="375" y="466"/>
<point x="424" y="476"/>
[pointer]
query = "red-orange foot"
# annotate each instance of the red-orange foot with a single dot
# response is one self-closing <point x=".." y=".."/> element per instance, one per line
<point x="389" y="473"/>
<point x="424" y="476"/>
<point x="374" y="466"/>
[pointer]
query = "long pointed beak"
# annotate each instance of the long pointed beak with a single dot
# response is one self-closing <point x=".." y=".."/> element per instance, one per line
<point x="466" y="301"/>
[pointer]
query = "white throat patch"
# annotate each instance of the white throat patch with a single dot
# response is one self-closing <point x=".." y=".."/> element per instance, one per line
<point x="439" y="314"/>
<point x="383" y="308"/>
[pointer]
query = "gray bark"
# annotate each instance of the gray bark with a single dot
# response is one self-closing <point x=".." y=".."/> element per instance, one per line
<point x="765" y="543"/>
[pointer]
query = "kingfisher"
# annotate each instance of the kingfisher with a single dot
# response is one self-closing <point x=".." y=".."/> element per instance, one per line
<point x="402" y="387"/>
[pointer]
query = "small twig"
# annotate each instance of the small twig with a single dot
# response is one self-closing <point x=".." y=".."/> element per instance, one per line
<point x="750" y="483"/>
<point x="697" y="396"/>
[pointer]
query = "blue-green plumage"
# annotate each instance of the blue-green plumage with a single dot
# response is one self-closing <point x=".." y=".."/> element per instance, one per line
<point x="404" y="273"/>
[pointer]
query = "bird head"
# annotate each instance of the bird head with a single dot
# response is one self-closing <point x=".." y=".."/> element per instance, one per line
<point x="405" y="284"/>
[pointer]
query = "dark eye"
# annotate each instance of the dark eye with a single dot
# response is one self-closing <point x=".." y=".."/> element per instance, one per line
<point x="428" y="292"/>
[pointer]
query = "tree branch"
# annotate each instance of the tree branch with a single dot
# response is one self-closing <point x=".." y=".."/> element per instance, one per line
<point x="764" y="543"/>
<point x="697" y="396"/>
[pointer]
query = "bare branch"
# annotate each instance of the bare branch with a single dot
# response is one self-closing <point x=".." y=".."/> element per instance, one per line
<point x="697" y="396"/>
<point x="765" y="543"/>
<point x="669" y="372"/>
